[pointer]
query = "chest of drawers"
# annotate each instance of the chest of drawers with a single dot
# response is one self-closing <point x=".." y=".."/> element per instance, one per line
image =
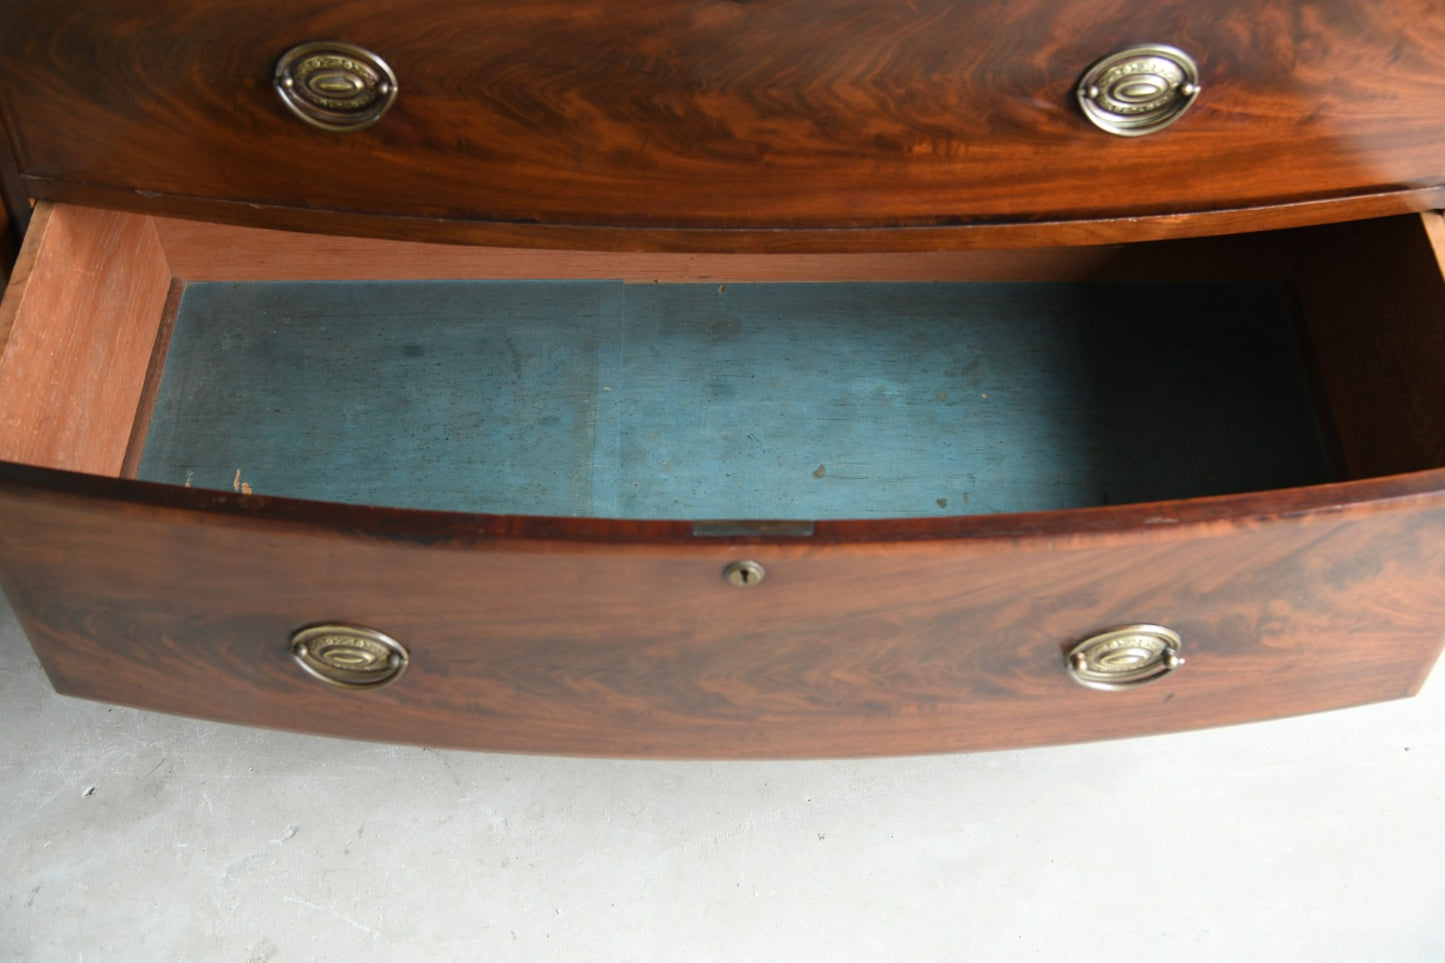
<point x="721" y="379"/>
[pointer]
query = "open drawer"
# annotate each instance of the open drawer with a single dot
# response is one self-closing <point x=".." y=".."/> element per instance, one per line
<point x="724" y="505"/>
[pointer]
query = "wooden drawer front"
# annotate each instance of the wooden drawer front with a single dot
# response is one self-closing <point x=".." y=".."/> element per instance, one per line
<point x="621" y="635"/>
<point x="711" y="115"/>
<point x="185" y="601"/>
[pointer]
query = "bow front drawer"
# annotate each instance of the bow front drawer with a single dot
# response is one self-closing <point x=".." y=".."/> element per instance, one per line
<point x="787" y="124"/>
<point x="724" y="505"/>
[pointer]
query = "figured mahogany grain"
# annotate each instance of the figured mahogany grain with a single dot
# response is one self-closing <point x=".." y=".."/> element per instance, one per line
<point x="719" y="124"/>
<point x="990" y="236"/>
<point x="619" y="637"/>
<point x="203" y="251"/>
<point x="183" y="601"/>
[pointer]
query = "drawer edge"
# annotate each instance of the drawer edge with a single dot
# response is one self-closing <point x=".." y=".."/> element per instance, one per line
<point x="528" y="643"/>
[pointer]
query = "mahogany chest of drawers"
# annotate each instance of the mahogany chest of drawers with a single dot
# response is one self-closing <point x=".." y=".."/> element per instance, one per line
<point x="706" y="378"/>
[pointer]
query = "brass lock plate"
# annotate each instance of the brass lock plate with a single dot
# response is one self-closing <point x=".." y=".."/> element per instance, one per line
<point x="744" y="574"/>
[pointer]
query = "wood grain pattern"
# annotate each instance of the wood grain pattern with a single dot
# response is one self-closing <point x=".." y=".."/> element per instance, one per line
<point x="617" y="637"/>
<point x="713" y="116"/>
<point x="77" y="329"/>
<point x="1374" y="302"/>
<point x="204" y="251"/>
<point x="974" y="236"/>
<point x="183" y="601"/>
<point x="145" y="405"/>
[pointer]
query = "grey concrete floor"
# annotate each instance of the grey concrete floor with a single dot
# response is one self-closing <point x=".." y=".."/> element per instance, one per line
<point x="136" y="836"/>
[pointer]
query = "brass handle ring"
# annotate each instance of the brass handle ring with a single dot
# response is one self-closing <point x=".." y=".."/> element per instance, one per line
<point x="335" y="86"/>
<point x="1125" y="657"/>
<point x="349" y="656"/>
<point x="1140" y="90"/>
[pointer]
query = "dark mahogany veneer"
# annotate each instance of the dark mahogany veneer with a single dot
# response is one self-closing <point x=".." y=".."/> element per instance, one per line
<point x="712" y="124"/>
<point x="618" y="637"/>
<point x="794" y="140"/>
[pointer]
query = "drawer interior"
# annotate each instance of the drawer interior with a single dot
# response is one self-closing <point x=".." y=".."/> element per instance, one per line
<point x="735" y="400"/>
<point x="724" y="387"/>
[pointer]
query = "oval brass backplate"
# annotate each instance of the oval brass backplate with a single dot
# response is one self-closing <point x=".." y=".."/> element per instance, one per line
<point x="335" y="86"/>
<point x="1125" y="657"/>
<point x="349" y="656"/>
<point x="1140" y="90"/>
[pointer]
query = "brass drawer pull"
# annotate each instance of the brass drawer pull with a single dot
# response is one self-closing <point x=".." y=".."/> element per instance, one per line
<point x="335" y="86"/>
<point x="349" y="656"/>
<point x="1139" y="90"/>
<point x="1122" y="658"/>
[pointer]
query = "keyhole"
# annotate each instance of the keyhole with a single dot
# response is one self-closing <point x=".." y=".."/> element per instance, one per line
<point x="743" y="574"/>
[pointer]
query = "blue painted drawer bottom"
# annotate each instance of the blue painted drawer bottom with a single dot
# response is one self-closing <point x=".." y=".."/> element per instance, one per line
<point x="745" y="401"/>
